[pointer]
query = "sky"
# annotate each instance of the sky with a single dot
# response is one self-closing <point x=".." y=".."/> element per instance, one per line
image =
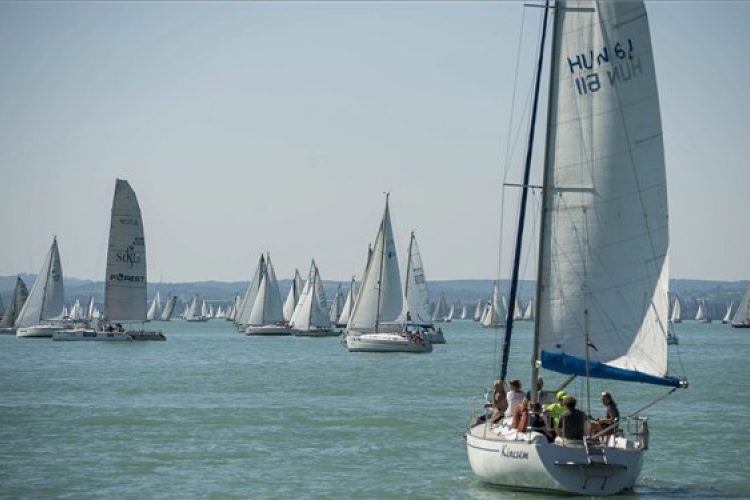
<point x="250" y="127"/>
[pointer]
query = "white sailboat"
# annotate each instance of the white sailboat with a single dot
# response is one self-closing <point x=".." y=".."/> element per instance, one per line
<point x="441" y="309"/>
<point x="125" y="282"/>
<point x="295" y="290"/>
<point x="311" y="317"/>
<point x="417" y="303"/>
<point x="376" y="322"/>
<point x="17" y="300"/>
<point x="166" y="313"/>
<point x="602" y="282"/>
<point x="266" y="314"/>
<point x="154" y="309"/>
<point x="464" y="313"/>
<point x="336" y="305"/>
<point x="702" y="315"/>
<point x="494" y="312"/>
<point x="528" y="314"/>
<point x="41" y="314"/>
<point x="741" y="317"/>
<point x="196" y="312"/>
<point x="346" y="310"/>
<point x="479" y="310"/>
<point x="676" y="316"/>
<point x="728" y="315"/>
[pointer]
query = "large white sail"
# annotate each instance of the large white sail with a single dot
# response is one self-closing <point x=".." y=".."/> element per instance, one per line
<point x="605" y="236"/>
<point x="309" y="313"/>
<point x="125" y="279"/>
<point x="154" y="310"/>
<point x="380" y="298"/>
<point x="295" y="289"/>
<point x="242" y="315"/>
<point x="47" y="296"/>
<point x="742" y="314"/>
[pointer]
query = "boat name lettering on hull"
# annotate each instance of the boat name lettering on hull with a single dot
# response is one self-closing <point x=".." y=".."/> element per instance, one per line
<point x="514" y="454"/>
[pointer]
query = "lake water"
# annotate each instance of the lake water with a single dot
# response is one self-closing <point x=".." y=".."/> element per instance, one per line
<point x="214" y="414"/>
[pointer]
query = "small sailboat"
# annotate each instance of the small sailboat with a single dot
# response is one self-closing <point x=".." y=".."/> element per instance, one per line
<point x="416" y="299"/>
<point x="196" y="311"/>
<point x="494" y="313"/>
<point x="154" y="310"/>
<point x="676" y="316"/>
<point x="311" y="316"/>
<point x="702" y="315"/>
<point x="336" y="305"/>
<point x="266" y="316"/>
<point x="41" y="314"/>
<point x="376" y="323"/>
<point x="166" y="313"/>
<point x="441" y="309"/>
<point x="602" y="278"/>
<point x="741" y="317"/>
<point x="17" y="300"/>
<point x="728" y="315"/>
<point x="479" y="310"/>
<point x="346" y="310"/>
<point x="295" y="290"/>
<point x="125" y="301"/>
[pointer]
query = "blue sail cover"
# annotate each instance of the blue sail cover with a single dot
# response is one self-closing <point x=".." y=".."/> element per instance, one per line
<point x="571" y="365"/>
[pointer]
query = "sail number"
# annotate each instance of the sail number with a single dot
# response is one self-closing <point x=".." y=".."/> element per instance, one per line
<point x="622" y="66"/>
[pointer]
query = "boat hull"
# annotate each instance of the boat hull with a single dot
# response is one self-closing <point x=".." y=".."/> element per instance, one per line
<point x="38" y="331"/>
<point x="386" y="342"/>
<point x="535" y="464"/>
<point x="268" y="330"/>
<point x="325" y="332"/>
<point x="90" y="334"/>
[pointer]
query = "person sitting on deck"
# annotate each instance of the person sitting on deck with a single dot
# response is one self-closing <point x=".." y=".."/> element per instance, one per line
<point x="515" y="397"/>
<point x="572" y="424"/>
<point x="556" y="410"/>
<point x="613" y="417"/>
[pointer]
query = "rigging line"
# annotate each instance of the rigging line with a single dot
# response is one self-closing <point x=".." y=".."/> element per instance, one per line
<point x="524" y="197"/>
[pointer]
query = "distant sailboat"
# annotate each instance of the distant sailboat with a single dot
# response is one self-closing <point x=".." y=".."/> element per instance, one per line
<point x="346" y="310"/>
<point x="295" y="290"/>
<point x="41" y="315"/>
<point x="441" y="309"/>
<point x="479" y="310"/>
<point x="336" y="305"/>
<point x="196" y="312"/>
<point x="154" y="310"/>
<point x="702" y="315"/>
<point x="741" y="317"/>
<point x="494" y="313"/>
<point x="166" y="313"/>
<point x="311" y="316"/>
<point x="416" y="301"/>
<point x="728" y="315"/>
<point x="17" y="300"/>
<point x="266" y="314"/>
<point x="676" y="316"/>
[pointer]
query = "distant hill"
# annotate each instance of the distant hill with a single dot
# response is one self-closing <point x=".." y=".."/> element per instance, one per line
<point x="468" y="292"/>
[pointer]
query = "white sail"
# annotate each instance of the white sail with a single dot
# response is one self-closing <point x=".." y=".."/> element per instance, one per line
<point x="415" y="286"/>
<point x="741" y="317"/>
<point x="380" y="298"/>
<point x="47" y="296"/>
<point x="154" y="310"/>
<point x="125" y="279"/>
<point x="295" y="289"/>
<point x="494" y="314"/>
<point x="310" y="314"/>
<point x="346" y="310"/>
<point x="242" y="315"/>
<point x="528" y="314"/>
<point x="441" y="309"/>
<point x="479" y="310"/>
<point x="606" y="198"/>
<point x="728" y="315"/>
<point x="166" y="313"/>
<point x="337" y="304"/>
<point x="267" y="308"/>
<point x="676" y="316"/>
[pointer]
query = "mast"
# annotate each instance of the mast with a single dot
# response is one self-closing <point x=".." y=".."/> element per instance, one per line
<point x="382" y="263"/>
<point x="522" y="211"/>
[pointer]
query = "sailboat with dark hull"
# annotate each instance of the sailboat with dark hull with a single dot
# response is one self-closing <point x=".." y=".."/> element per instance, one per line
<point x="602" y="306"/>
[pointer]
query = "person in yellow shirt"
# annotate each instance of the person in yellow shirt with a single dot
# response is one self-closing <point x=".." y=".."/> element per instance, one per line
<point x="556" y="410"/>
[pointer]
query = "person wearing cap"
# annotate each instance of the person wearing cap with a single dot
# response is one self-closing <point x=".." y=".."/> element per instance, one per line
<point x="573" y="422"/>
<point x="555" y="410"/>
<point x="613" y="415"/>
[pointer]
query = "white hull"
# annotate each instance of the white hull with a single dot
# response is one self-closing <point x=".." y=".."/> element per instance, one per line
<point x="38" y="331"/>
<point x="385" y="342"/>
<point x="323" y="332"/>
<point x="268" y="330"/>
<point x="90" y="334"/>
<point x="527" y="461"/>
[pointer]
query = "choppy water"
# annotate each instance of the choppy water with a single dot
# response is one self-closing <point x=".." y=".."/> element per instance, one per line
<point x="214" y="414"/>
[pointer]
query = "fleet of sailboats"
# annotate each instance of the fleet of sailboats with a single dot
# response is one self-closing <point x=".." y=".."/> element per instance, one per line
<point x="602" y="278"/>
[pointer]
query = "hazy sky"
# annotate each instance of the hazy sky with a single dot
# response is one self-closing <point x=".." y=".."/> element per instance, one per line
<point x="253" y="127"/>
